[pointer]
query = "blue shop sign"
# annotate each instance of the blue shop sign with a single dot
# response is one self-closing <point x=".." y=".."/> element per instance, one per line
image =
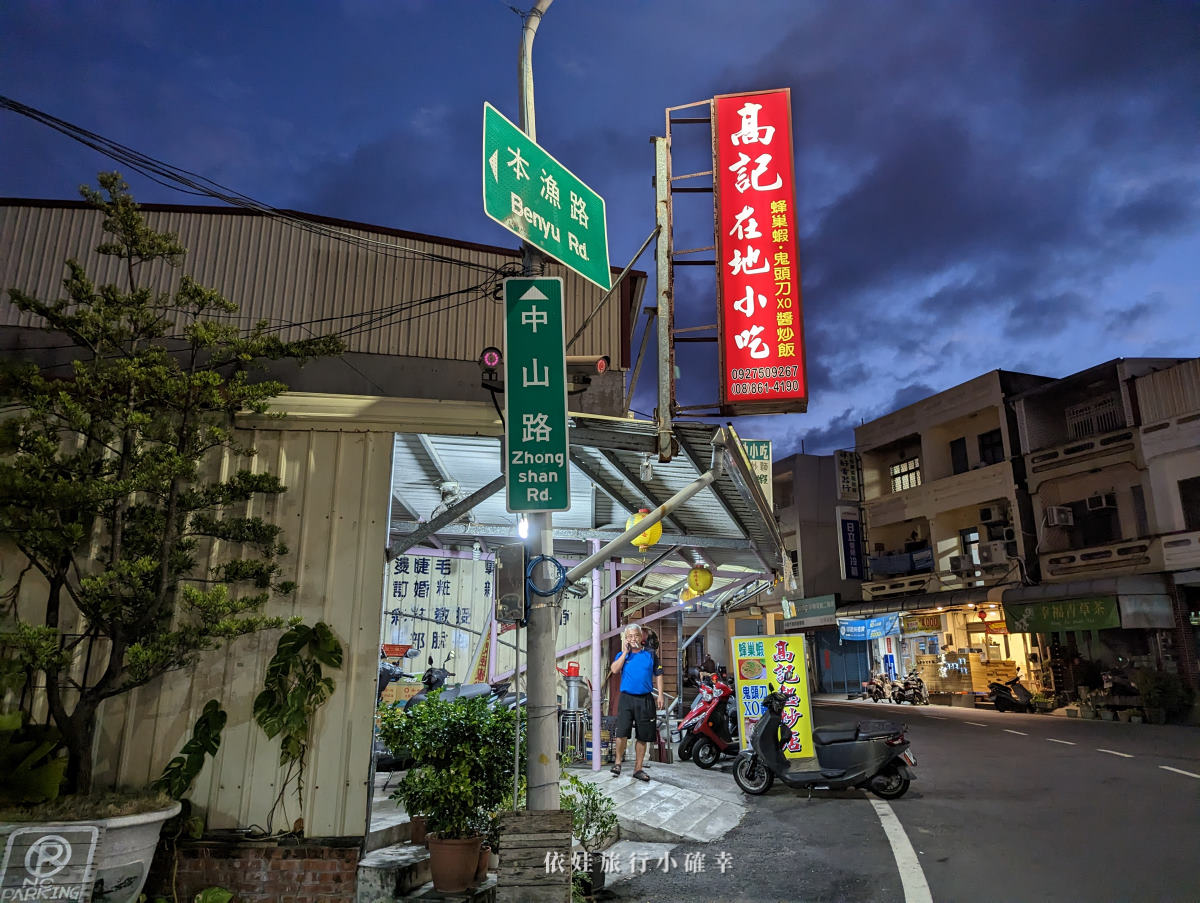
<point x="869" y="628"/>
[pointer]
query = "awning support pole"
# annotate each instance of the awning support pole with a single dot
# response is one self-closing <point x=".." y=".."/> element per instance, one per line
<point x="705" y="479"/>
<point x="639" y="575"/>
<point x="451" y="514"/>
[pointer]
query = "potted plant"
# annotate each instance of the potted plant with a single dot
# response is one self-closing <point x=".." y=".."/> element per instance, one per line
<point x="1043" y="701"/>
<point x="1164" y="695"/>
<point x="113" y="498"/>
<point x="594" y="824"/>
<point x="462" y="752"/>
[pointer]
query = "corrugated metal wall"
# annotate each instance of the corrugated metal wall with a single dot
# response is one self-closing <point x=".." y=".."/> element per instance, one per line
<point x="1169" y="393"/>
<point x="334" y="515"/>
<point x="414" y="306"/>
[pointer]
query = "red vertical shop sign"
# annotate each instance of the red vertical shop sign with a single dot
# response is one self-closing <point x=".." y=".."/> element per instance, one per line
<point x="759" y="312"/>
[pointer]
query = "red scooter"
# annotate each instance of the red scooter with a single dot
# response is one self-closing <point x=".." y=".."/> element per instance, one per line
<point x="710" y="728"/>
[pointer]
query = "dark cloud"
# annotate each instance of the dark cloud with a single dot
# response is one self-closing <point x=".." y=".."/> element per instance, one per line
<point x="1045" y="316"/>
<point x="1120" y="322"/>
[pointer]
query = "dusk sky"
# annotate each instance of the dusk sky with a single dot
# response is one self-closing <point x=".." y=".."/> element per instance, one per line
<point x="981" y="185"/>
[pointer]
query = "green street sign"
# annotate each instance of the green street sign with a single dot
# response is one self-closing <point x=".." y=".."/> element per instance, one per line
<point x="535" y="396"/>
<point x="535" y="197"/>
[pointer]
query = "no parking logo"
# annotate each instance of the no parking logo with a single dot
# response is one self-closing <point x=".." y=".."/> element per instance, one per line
<point x="49" y="862"/>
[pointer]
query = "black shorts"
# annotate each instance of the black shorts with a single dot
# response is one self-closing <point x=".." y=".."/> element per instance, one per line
<point x="636" y="710"/>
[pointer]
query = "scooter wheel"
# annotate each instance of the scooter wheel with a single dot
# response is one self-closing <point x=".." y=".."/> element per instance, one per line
<point x="752" y="775"/>
<point x="705" y="753"/>
<point x="889" y="785"/>
<point x="685" y="746"/>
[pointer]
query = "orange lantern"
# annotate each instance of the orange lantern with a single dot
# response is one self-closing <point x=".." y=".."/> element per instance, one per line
<point x="687" y="595"/>
<point x="652" y="534"/>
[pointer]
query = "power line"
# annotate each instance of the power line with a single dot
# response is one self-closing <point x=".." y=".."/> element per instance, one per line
<point x="179" y="179"/>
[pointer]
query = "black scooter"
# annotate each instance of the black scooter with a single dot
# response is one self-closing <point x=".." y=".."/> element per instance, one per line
<point x="1010" y="696"/>
<point x="873" y="755"/>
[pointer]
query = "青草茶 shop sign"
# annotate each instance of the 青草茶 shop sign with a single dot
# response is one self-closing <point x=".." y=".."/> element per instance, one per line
<point x="1095" y="613"/>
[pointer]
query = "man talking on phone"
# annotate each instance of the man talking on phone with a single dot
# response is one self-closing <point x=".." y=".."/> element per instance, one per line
<point x="636" y="710"/>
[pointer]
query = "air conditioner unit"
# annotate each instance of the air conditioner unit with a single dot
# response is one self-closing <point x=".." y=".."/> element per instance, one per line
<point x="962" y="563"/>
<point x="1010" y="534"/>
<point x="995" y="552"/>
<point x="1060" y="517"/>
<point x="1100" y="502"/>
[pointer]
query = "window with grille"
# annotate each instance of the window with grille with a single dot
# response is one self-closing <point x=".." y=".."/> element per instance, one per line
<point x="1091" y="418"/>
<point x="905" y="475"/>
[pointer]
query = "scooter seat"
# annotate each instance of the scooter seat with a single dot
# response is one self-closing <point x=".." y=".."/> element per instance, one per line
<point x="837" y="734"/>
<point x="869" y="730"/>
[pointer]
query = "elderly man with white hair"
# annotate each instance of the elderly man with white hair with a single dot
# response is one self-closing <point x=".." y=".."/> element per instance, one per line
<point x="639" y="668"/>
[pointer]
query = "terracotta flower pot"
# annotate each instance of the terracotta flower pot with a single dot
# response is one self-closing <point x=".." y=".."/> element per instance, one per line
<point x="417" y="826"/>
<point x="452" y="862"/>
<point x="485" y="851"/>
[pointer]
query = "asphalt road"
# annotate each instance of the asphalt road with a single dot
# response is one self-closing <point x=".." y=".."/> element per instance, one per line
<point x="1006" y="808"/>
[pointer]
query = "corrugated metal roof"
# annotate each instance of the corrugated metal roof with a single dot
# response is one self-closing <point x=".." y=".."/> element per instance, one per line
<point x="729" y="520"/>
<point x="384" y="283"/>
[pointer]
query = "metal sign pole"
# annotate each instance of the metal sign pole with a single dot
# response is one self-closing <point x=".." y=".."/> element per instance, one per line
<point x="541" y="764"/>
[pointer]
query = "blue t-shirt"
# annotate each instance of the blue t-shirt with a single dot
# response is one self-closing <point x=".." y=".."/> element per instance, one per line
<point x="639" y="671"/>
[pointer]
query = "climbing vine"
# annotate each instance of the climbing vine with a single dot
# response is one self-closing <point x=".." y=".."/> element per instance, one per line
<point x="295" y="688"/>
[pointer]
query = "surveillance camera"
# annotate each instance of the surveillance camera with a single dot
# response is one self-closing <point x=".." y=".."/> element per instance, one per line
<point x="582" y="367"/>
<point x="490" y="362"/>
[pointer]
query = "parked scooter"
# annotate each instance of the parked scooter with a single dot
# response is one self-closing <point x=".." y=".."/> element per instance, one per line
<point x="710" y="728"/>
<point x="879" y="687"/>
<point x="1011" y="695"/>
<point x="911" y="689"/>
<point x="873" y="755"/>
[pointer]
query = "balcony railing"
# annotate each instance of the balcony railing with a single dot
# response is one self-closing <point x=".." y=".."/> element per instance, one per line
<point x="1126" y="555"/>
<point x="1081" y="450"/>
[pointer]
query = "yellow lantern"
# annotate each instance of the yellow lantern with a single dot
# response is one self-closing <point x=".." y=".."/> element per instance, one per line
<point x="687" y="595"/>
<point x="700" y="580"/>
<point x="652" y="533"/>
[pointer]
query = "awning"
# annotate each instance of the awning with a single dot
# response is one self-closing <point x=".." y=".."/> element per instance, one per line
<point x="614" y="471"/>
<point x="919" y="602"/>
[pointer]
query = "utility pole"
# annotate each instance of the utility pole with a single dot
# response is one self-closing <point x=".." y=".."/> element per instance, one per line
<point x="541" y="766"/>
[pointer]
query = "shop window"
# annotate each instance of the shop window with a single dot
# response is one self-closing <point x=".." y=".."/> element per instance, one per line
<point x="958" y="455"/>
<point x="1189" y="498"/>
<point x="991" y="447"/>
<point x="905" y="475"/>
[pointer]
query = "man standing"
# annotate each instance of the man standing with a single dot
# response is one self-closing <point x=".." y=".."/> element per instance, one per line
<point x="639" y="668"/>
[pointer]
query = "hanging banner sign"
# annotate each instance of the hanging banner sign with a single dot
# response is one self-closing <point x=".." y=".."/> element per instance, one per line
<point x="850" y="545"/>
<point x="779" y="661"/>
<point x="869" y="628"/>
<point x="759" y="314"/>
<point x="1097" y="613"/>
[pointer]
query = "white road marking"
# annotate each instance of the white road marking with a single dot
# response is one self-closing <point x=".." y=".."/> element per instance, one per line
<point x="1113" y="752"/>
<point x="912" y="877"/>
<point x="1176" y="770"/>
<point x="938" y="717"/>
<point x="1063" y="742"/>
<point x="1019" y="733"/>
<point x="976" y="723"/>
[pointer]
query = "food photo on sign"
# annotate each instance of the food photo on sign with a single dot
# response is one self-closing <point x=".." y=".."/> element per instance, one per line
<point x="766" y="663"/>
